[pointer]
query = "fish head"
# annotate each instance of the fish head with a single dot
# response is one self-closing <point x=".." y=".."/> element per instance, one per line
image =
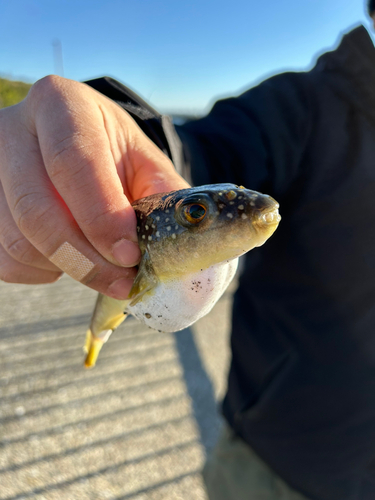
<point x="194" y="228"/>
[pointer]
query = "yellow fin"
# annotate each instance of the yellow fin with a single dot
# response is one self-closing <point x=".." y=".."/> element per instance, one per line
<point x="144" y="282"/>
<point x="93" y="346"/>
<point x="108" y="315"/>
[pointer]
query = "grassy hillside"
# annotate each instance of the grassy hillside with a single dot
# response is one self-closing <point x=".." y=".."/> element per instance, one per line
<point x="12" y="92"/>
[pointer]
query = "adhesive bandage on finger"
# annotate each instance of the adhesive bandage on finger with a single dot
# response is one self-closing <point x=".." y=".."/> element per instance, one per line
<point x="71" y="261"/>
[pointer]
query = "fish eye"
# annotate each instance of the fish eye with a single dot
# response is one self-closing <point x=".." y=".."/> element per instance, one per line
<point x="194" y="213"/>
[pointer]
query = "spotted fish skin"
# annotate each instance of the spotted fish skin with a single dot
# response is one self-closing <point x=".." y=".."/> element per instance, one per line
<point x="235" y="221"/>
<point x="190" y="241"/>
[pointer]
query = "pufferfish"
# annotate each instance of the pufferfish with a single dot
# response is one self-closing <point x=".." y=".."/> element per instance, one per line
<point x="190" y="241"/>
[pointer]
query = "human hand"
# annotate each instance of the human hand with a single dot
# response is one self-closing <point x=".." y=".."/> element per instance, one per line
<point x="71" y="163"/>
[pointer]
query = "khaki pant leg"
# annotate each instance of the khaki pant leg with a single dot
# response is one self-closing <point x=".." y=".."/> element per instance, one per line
<point x="235" y="472"/>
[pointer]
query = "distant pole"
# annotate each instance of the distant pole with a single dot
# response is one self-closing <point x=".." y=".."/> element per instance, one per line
<point x="57" y="57"/>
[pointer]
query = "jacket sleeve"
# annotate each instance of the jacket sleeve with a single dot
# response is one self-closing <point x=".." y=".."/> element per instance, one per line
<point x="257" y="139"/>
<point x="159" y="128"/>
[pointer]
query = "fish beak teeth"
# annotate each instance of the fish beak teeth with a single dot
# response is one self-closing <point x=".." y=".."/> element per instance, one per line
<point x="92" y="349"/>
<point x="271" y="217"/>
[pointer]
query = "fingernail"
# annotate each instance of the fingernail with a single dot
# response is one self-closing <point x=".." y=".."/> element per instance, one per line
<point x="120" y="289"/>
<point x="127" y="253"/>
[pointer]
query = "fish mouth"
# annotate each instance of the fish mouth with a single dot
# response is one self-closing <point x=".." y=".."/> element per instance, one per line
<point x="264" y="210"/>
<point x="271" y="217"/>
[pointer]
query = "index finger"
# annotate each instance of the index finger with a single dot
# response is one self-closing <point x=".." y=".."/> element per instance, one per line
<point x="79" y="159"/>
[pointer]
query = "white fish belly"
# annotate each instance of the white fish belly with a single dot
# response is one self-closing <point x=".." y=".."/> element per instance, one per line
<point x="177" y="304"/>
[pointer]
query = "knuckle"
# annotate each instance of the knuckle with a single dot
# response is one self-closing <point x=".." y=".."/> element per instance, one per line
<point x="101" y="224"/>
<point x="68" y="154"/>
<point x="96" y="218"/>
<point x="19" y="249"/>
<point x="45" y="93"/>
<point x="30" y="213"/>
<point x="45" y="86"/>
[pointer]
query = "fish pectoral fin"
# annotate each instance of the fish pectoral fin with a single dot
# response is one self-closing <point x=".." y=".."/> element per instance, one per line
<point x="144" y="282"/>
<point x="137" y="298"/>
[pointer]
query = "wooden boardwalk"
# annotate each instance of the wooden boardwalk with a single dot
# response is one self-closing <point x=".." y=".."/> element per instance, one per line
<point x="138" y="426"/>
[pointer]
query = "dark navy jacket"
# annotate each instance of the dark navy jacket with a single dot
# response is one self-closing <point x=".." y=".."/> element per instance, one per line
<point x="302" y="379"/>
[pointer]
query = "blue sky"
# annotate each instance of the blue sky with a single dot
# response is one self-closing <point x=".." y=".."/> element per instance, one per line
<point x="179" y="55"/>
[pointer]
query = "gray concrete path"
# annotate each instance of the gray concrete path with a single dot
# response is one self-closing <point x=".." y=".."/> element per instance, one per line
<point x="138" y="426"/>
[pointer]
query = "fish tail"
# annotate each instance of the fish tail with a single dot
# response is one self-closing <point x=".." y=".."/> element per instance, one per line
<point x="108" y="314"/>
<point x="92" y="348"/>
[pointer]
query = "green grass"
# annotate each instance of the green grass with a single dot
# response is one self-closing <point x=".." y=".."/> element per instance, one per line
<point x="12" y="92"/>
